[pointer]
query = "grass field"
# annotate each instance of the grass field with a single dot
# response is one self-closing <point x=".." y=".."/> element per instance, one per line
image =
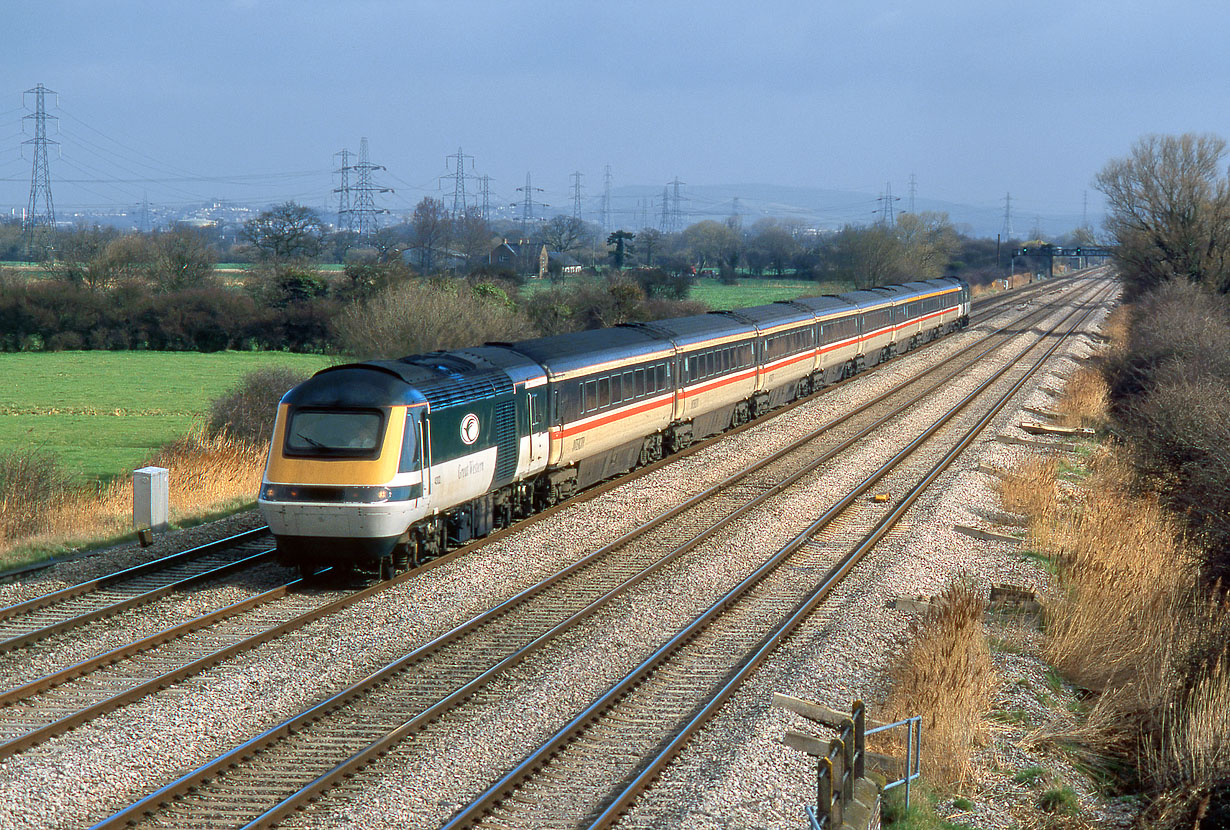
<point x="748" y="291"/>
<point x="103" y="413"/>
<point x="757" y="291"/>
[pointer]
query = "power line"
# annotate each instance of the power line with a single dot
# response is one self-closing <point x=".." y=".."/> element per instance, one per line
<point x="345" y="219"/>
<point x="888" y="217"/>
<point x="576" y="194"/>
<point x="486" y="210"/>
<point x="364" y="210"/>
<point x="676" y="215"/>
<point x="528" y="203"/>
<point x="606" y="200"/>
<point x="40" y="175"/>
<point x="459" y="177"/>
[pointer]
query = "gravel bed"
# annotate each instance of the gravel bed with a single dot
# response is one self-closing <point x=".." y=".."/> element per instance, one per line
<point x="421" y="785"/>
<point x="83" y="776"/>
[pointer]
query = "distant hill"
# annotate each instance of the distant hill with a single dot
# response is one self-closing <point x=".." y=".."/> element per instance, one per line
<point x="818" y="207"/>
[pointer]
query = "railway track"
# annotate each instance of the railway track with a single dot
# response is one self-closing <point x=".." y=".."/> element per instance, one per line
<point x="574" y="779"/>
<point x="310" y="745"/>
<point x="52" y="702"/>
<point x="72" y="607"/>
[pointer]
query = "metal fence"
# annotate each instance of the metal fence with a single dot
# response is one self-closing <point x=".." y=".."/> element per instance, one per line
<point x="844" y="764"/>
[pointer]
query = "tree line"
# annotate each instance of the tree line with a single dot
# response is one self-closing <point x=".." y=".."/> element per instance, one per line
<point x="1168" y="210"/>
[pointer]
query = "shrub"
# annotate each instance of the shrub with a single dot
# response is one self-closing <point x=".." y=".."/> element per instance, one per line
<point x="247" y="412"/>
<point x="1168" y="391"/>
<point x="421" y="317"/>
<point x="31" y="483"/>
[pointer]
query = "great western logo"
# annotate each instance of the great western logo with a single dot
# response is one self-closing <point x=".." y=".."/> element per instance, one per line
<point x="469" y="428"/>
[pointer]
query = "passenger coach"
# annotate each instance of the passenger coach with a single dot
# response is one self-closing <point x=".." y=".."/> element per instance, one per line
<point x="381" y="464"/>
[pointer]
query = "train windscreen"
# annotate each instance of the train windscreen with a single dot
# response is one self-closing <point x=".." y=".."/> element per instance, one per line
<point x="333" y="432"/>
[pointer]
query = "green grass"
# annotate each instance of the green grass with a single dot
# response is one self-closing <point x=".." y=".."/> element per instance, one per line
<point x="1060" y="800"/>
<point x="1031" y="776"/>
<point x="751" y="291"/>
<point x="103" y="413"/>
<point x="922" y="814"/>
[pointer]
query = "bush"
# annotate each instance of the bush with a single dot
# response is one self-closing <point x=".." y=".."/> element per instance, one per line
<point x="1169" y="401"/>
<point x="247" y="412"/>
<point x="31" y="483"/>
<point x="421" y="317"/>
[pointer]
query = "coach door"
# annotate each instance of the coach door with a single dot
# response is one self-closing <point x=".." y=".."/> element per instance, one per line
<point x="539" y="438"/>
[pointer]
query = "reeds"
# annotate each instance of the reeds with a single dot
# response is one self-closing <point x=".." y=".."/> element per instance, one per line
<point x="1132" y="621"/>
<point x="207" y="474"/>
<point x="944" y="674"/>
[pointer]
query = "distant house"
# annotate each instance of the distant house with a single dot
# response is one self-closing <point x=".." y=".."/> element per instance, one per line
<point x="561" y="262"/>
<point x="519" y="257"/>
<point x="532" y="259"/>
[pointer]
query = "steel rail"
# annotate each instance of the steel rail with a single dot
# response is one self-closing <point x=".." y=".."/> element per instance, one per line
<point x="474" y="812"/>
<point x="623" y="799"/>
<point x="186" y="783"/>
<point x="371" y="753"/>
<point x="71" y="591"/>
<point x="133" y="601"/>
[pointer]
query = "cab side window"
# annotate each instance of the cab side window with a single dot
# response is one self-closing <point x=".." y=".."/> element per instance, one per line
<point x="410" y="444"/>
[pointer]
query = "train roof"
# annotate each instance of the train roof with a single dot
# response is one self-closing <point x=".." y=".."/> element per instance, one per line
<point x="773" y="315"/>
<point x="563" y="354"/>
<point x="825" y="305"/>
<point x="354" y="384"/>
<point x="700" y="328"/>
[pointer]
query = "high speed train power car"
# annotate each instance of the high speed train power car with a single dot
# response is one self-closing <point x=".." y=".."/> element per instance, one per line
<point x="378" y="465"/>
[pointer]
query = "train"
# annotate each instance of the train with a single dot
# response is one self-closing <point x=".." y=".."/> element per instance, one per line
<point x="378" y="466"/>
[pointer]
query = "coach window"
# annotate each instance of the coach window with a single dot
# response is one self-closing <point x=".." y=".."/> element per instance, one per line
<point x="604" y="392"/>
<point x="640" y="382"/>
<point x="591" y="396"/>
<point x="629" y="385"/>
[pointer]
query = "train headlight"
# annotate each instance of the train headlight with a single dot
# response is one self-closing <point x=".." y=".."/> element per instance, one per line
<point x="383" y="494"/>
<point x="270" y="492"/>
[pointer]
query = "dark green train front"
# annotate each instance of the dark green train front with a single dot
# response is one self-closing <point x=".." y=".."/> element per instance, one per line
<point x="378" y="464"/>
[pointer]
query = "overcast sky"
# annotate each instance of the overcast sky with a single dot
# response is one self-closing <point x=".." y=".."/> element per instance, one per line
<point x="975" y="98"/>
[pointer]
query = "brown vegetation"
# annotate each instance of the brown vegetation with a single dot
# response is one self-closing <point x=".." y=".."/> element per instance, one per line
<point x="1132" y="622"/>
<point x="208" y="474"/>
<point x="944" y="674"/>
<point x="423" y="316"/>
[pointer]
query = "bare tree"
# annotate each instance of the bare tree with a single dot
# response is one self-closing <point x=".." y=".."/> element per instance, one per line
<point x="1168" y="208"/>
<point x="432" y="228"/>
<point x="286" y="232"/>
<point x="928" y="242"/>
<point x="650" y="243"/>
<point x="712" y="243"/>
<point x="473" y="238"/>
<point x="864" y="256"/>
<point x="180" y="259"/>
<point x="563" y="233"/>
<point x="775" y="241"/>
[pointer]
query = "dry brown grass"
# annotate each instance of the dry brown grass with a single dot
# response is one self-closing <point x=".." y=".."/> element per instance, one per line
<point x="207" y="474"/>
<point x="1085" y="399"/>
<point x="1131" y="621"/>
<point x="1031" y="488"/>
<point x="1118" y="328"/>
<point x="944" y="674"/>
